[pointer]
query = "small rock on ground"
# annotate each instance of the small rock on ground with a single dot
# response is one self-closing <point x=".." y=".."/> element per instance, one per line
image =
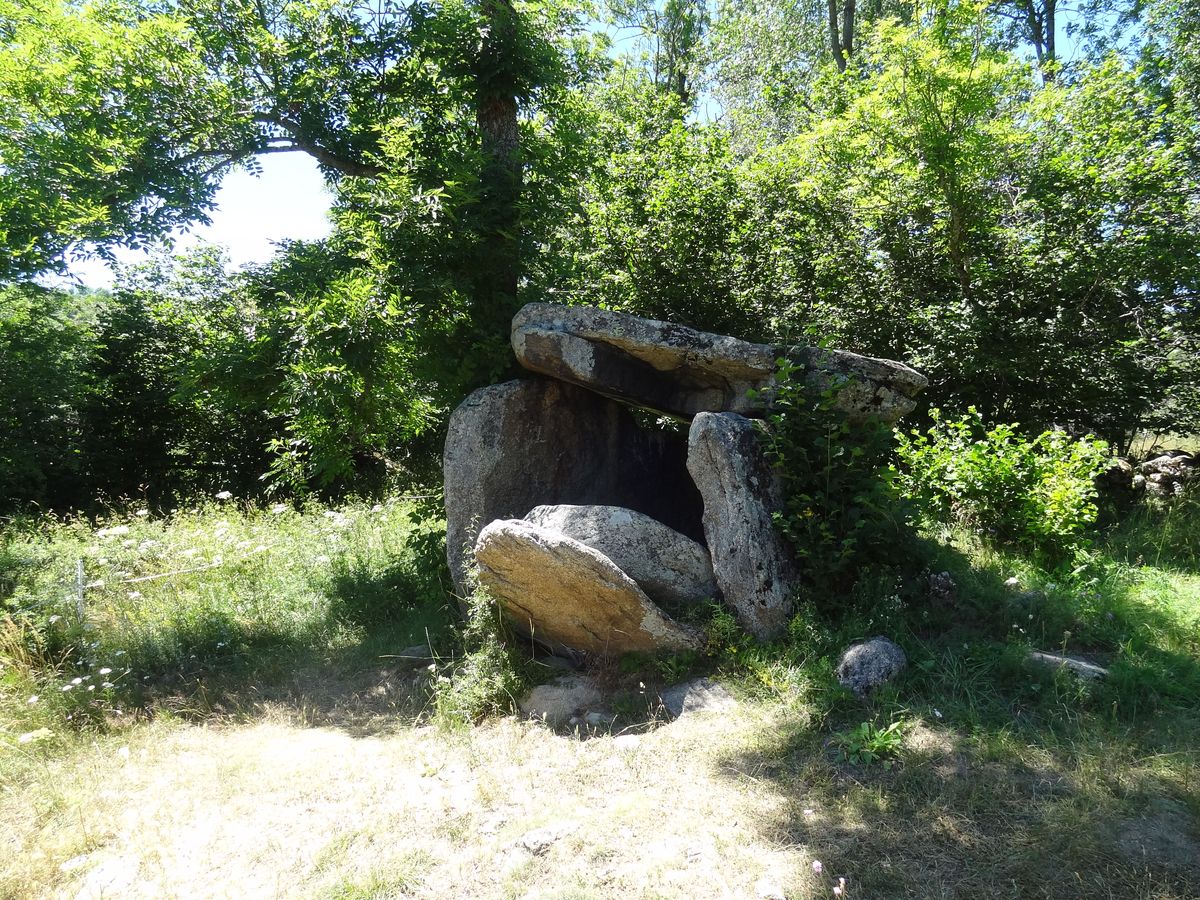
<point x="866" y="666"/>
<point x="1089" y="671"/>
<point x="561" y="700"/>
<point x="698" y="695"/>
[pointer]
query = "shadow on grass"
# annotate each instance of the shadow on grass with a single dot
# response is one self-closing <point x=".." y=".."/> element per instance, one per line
<point x="347" y="670"/>
<point x="1015" y="781"/>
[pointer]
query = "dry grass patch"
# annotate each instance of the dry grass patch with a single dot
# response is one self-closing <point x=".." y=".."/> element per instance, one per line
<point x="508" y="809"/>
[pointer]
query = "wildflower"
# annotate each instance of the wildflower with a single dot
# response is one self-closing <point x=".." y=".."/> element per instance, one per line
<point x="224" y="495"/>
<point x="115" y="531"/>
<point x="67" y="687"/>
<point x="278" y="508"/>
<point x="817" y="867"/>
<point x="104" y="561"/>
<point x="55" y="619"/>
<point x="76" y="681"/>
<point x="837" y="890"/>
<point x="377" y="508"/>
<point x="322" y="558"/>
<point x="808" y="813"/>
<point x="142" y="513"/>
<point x="119" y="653"/>
<point x="1013" y="582"/>
<point x="189" y="553"/>
<point x="108" y="684"/>
<point x="91" y="687"/>
<point x="105" y="671"/>
<point x="32" y="700"/>
<point x="135" y="595"/>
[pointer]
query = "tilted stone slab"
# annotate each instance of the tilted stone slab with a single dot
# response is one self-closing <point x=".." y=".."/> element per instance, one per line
<point x="753" y="564"/>
<point x="568" y="596"/>
<point x="681" y="371"/>
<point x="513" y="446"/>
<point x="671" y="568"/>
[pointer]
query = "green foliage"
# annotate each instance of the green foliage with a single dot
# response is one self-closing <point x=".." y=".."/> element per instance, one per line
<point x="1036" y="493"/>
<point x="866" y="744"/>
<point x="220" y="589"/>
<point x="487" y="679"/>
<point x="46" y="342"/>
<point x="841" y="513"/>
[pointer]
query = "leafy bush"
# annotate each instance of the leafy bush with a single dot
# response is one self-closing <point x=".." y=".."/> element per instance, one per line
<point x="841" y="510"/>
<point x="867" y="743"/>
<point x="487" y="679"/>
<point x="1038" y="494"/>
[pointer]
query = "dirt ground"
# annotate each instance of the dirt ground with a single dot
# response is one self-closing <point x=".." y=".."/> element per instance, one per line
<point x="511" y="809"/>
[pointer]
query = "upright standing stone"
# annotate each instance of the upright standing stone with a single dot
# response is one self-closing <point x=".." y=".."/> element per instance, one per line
<point x="754" y="566"/>
<point x="513" y="446"/>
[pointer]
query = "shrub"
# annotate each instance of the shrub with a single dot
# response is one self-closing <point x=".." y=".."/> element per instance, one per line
<point x="486" y="680"/>
<point x="1037" y="494"/>
<point x="841" y="510"/>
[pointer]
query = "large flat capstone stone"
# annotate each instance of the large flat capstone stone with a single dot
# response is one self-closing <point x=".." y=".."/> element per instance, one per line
<point x="570" y="597"/>
<point x="753" y="564"/>
<point x="681" y="371"/>
<point x="513" y="446"/>
<point x="671" y="568"/>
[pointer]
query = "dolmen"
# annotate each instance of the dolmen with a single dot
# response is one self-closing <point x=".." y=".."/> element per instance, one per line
<point x="584" y="507"/>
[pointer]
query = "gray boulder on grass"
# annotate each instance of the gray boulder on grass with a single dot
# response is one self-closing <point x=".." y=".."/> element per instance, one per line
<point x="670" y="567"/>
<point x="568" y="596"/>
<point x="866" y="666"/>
<point x="517" y="445"/>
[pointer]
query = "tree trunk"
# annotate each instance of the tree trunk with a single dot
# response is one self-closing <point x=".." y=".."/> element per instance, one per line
<point x="496" y="115"/>
<point x="835" y="37"/>
<point x="841" y="37"/>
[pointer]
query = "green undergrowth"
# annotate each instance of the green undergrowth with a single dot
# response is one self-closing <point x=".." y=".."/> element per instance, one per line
<point x="189" y="611"/>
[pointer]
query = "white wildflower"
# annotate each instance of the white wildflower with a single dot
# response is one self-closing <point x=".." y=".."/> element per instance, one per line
<point x="105" y="671"/>
<point x="224" y="495"/>
<point x="32" y="700"/>
<point x="135" y="595"/>
<point x="278" y="508"/>
<point x="115" y="531"/>
<point x="142" y="513"/>
<point x="55" y="619"/>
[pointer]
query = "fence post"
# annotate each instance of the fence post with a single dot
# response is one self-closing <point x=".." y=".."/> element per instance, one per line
<point x="79" y="589"/>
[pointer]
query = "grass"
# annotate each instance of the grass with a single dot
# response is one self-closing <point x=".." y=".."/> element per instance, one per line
<point x="203" y="610"/>
<point x="264" y="735"/>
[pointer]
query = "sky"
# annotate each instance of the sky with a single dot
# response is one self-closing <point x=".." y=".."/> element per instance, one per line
<point x="288" y="201"/>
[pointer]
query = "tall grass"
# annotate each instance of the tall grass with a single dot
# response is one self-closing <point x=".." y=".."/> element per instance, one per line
<point x="218" y="589"/>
